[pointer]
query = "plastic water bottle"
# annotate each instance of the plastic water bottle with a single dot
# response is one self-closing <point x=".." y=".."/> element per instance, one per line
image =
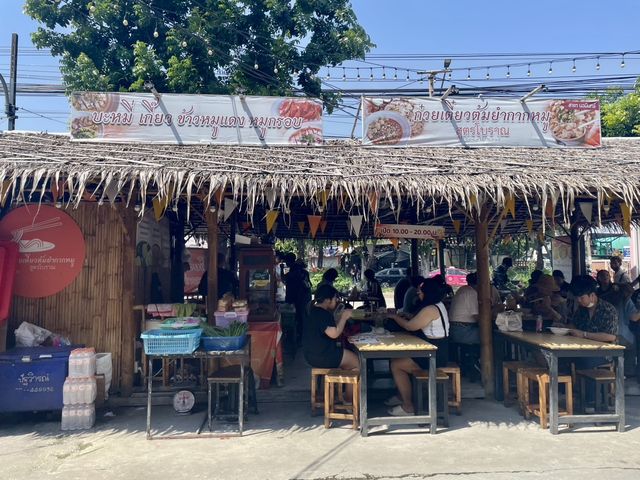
<point x="64" y="424"/>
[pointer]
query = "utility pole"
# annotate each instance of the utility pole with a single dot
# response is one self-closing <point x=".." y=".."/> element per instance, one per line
<point x="13" y="79"/>
<point x="432" y="75"/>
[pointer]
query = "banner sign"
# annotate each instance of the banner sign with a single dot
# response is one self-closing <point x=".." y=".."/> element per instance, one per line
<point x="51" y="246"/>
<point x="195" y="119"/>
<point x="422" y="232"/>
<point x="481" y="122"/>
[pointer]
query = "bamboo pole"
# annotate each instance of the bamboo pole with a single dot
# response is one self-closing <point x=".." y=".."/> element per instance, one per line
<point x="212" y="268"/>
<point x="575" y="251"/>
<point x="129" y="330"/>
<point x="484" y="302"/>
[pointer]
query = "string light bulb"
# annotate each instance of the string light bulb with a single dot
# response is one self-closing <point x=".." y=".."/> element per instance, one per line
<point x="275" y="69"/>
<point x="358" y="70"/>
<point x="528" y="70"/>
<point x="92" y="8"/>
<point x="468" y="74"/>
<point x="125" y="22"/>
<point x="508" y="71"/>
<point x="328" y="73"/>
<point x="598" y="63"/>
<point x="256" y="66"/>
<point x="395" y="73"/>
<point x="155" y="34"/>
<point x="573" y="68"/>
<point x="209" y="52"/>
<point x="184" y="44"/>
<point x="550" y="68"/>
<point x="622" y="64"/>
<point x="370" y="73"/>
<point x="487" y="76"/>
<point x="408" y="76"/>
<point x="384" y="74"/>
<point x="344" y="73"/>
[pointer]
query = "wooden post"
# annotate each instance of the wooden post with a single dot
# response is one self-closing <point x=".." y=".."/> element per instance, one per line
<point x="441" y="262"/>
<point x="484" y="302"/>
<point x="129" y="327"/>
<point x="415" y="267"/>
<point x="212" y="267"/>
<point x="575" y="251"/>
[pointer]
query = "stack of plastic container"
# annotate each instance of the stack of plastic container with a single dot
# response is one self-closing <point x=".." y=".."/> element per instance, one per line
<point x="79" y="390"/>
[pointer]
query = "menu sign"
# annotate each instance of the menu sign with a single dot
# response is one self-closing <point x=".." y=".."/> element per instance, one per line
<point x="51" y="249"/>
<point x="481" y="122"/>
<point x="195" y="119"/>
<point x="422" y="232"/>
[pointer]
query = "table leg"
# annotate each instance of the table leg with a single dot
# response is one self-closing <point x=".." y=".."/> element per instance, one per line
<point x="363" y="396"/>
<point x="149" y="387"/>
<point x="553" y="393"/>
<point x="498" y="358"/>
<point x="433" y="405"/>
<point x="241" y="399"/>
<point x="620" y="393"/>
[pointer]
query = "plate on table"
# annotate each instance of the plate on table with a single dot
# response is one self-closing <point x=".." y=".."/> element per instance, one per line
<point x="559" y="330"/>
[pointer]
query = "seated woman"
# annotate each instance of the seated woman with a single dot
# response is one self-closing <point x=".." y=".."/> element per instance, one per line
<point x="432" y="324"/>
<point x="320" y="334"/>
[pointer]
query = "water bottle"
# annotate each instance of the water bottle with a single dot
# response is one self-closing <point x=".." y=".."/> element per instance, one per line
<point x="73" y="418"/>
<point x="66" y="390"/>
<point x="64" y="424"/>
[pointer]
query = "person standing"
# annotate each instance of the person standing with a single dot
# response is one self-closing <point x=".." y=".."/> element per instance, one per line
<point x="373" y="291"/>
<point x="620" y="276"/>
<point x="298" y="290"/>
<point x="401" y="289"/>
<point x="501" y="277"/>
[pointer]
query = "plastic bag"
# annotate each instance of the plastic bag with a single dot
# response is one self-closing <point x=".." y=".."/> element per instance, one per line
<point x="509" y="321"/>
<point x="30" y="335"/>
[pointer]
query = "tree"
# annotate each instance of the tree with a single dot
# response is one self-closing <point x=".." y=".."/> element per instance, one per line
<point x="620" y="113"/>
<point x="260" y="47"/>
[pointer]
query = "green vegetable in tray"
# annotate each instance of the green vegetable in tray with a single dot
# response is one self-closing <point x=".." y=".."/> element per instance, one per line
<point x="234" y="329"/>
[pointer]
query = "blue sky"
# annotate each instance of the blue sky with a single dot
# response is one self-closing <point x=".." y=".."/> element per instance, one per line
<point x="409" y="26"/>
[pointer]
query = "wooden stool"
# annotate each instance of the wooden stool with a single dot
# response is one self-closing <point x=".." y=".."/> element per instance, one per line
<point x="542" y="378"/>
<point x="453" y="371"/>
<point x="340" y="378"/>
<point x="316" y="375"/>
<point x="442" y="383"/>
<point x="509" y="396"/>
<point x="226" y="376"/>
<point x="601" y="379"/>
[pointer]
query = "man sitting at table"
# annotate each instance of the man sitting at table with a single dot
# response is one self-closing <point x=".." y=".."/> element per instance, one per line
<point x="431" y="324"/>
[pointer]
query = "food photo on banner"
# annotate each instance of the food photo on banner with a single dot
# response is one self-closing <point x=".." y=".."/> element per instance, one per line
<point x="481" y="122"/>
<point x="195" y="119"/>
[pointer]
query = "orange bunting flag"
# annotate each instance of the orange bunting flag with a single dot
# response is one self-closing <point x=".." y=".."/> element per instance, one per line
<point x="301" y="226"/>
<point x="159" y="207"/>
<point x="5" y="192"/>
<point x="456" y="226"/>
<point x="322" y="197"/>
<point x="271" y="216"/>
<point x="314" y="223"/>
<point x="510" y="205"/>
<point x="626" y="218"/>
<point x="530" y="226"/>
<point x="323" y="225"/>
<point x="395" y="242"/>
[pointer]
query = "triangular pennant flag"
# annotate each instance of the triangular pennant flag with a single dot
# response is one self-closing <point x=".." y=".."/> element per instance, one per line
<point x="5" y="192"/>
<point x="587" y="210"/>
<point x="271" y="216"/>
<point x="314" y="223"/>
<point x="626" y="217"/>
<point x="530" y="226"/>
<point x="301" y="226"/>
<point x="345" y="246"/>
<point x="229" y="206"/>
<point x="323" y="225"/>
<point x="373" y="202"/>
<point x="510" y="205"/>
<point x="456" y="226"/>
<point x="395" y="242"/>
<point x="356" y="224"/>
<point x="112" y="190"/>
<point x="550" y="209"/>
<point x="159" y="207"/>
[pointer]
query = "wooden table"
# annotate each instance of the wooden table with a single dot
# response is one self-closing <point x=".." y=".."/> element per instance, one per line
<point x="554" y="347"/>
<point x="397" y="345"/>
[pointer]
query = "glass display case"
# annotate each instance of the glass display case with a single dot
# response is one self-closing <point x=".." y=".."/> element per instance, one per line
<point x="258" y="281"/>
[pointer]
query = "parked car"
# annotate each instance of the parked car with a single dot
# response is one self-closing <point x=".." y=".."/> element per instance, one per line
<point x="455" y="277"/>
<point x="390" y="276"/>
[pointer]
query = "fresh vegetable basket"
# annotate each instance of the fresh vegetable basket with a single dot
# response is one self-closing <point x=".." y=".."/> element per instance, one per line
<point x="171" y="342"/>
<point x="232" y="337"/>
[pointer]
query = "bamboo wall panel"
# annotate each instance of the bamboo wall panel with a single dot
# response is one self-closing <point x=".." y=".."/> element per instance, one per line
<point x="90" y="310"/>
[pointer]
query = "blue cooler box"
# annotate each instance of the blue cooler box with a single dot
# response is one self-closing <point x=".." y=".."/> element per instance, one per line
<point x="31" y="378"/>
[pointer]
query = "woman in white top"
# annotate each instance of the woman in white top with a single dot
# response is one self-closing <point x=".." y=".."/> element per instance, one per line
<point x="432" y="324"/>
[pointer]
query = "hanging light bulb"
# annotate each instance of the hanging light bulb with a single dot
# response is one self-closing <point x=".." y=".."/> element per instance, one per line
<point x="137" y="207"/>
<point x="358" y="70"/>
<point x="487" y="76"/>
<point x="395" y="73"/>
<point x="598" y="64"/>
<point x="408" y="76"/>
<point x="125" y="22"/>
<point x="92" y="8"/>
<point x="58" y="204"/>
<point x="370" y="73"/>
<point x="275" y="70"/>
<point x="344" y="73"/>
<point x="328" y="73"/>
<point x="468" y="74"/>
<point x="550" y="68"/>
<point x="622" y="65"/>
<point x="450" y="75"/>
<point x="573" y="68"/>
<point x="529" y="70"/>
<point x="535" y="207"/>
<point x="256" y="66"/>
<point x="209" y="52"/>
<point x="384" y="74"/>
<point x="508" y="71"/>
<point x="155" y="34"/>
<point x="184" y="44"/>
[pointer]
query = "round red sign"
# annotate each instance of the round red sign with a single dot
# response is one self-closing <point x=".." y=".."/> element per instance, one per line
<point x="51" y="245"/>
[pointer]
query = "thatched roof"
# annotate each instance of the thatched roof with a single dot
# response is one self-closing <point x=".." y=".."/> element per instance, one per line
<point x="449" y="180"/>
